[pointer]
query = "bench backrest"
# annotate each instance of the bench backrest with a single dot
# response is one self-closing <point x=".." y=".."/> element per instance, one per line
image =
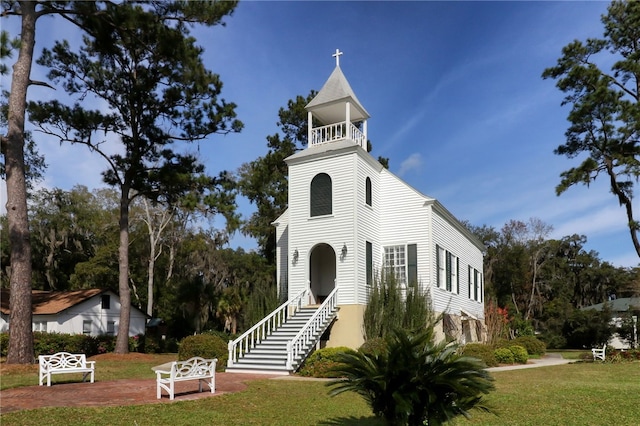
<point x="193" y="367"/>
<point x="62" y="360"/>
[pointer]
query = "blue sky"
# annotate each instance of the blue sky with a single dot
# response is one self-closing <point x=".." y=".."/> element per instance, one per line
<point x="454" y="91"/>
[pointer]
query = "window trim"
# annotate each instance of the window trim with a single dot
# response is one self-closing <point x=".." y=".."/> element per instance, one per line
<point x="447" y="270"/>
<point x="476" y="284"/>
<point x="368" y="192"/>
<point x="105" y="301"/>
<point x="112" y="331"/>
<point x="409" y="276"/>
<point x="321" y="197"/>
<point x="39" y="326"/>
<point x="396" y="267"/>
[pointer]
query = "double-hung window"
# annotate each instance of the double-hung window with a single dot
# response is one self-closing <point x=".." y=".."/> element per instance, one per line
<point x="476" y="290"/>
<point x="40" y="326"/>
<point x="394" y="262"/>
<point x="447" y="270"/>
<point x="402" y="262"/>
<point x="87" y="327"/>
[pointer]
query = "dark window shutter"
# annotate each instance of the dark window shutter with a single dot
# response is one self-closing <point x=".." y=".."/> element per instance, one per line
<point x="321" y="202"/>
<point x="412" y="265"/>
<point x="475" y="284"/>
<point x="369" y="263"/>
<point x="448" y="258"/>
<point x="458" y="276"/>
<point x="438" y="283"/>
<point x="368" y="191"/>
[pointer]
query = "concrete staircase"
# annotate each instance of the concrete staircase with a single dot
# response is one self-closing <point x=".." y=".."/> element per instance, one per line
<point x="269" y="356"/>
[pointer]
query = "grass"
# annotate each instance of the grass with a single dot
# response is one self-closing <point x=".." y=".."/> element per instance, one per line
<point x="575" y="394"/>
<point x="112" y="367"/>
<point x="576" y="354"/>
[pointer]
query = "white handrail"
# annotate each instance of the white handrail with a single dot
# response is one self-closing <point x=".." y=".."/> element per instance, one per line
<point x="304" y="337"/>
<point x="250" y="338"/>
<point x="337" y="131"/>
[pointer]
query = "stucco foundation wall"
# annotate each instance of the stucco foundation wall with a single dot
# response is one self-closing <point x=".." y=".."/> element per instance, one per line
<point x="347" y="329"/>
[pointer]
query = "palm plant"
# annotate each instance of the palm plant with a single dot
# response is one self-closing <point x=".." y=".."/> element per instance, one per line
<point x="413" y="380"/>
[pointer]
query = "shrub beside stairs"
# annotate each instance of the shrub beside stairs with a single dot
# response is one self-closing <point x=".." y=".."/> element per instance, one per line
<point x="269" y="356"/>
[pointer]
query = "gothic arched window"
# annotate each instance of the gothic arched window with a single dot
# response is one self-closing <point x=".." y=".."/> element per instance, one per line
<point x="321" y="202"/>
<point x="368" y="191"/>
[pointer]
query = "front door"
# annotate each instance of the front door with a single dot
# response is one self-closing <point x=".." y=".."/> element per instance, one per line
<point x="322" y="272"/>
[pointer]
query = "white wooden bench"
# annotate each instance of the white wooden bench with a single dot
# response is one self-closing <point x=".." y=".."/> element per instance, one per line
<point x="196" y="368"/>
<point x="65" y="363"/>
<point x="599" y="353"/>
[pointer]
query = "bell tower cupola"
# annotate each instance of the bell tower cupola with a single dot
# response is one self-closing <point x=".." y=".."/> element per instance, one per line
<point x="338" y="111"/>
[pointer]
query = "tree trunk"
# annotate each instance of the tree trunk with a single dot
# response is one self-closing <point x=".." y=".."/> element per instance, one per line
<point x="122" y="341"/>
<point x="150" y="276"/>
<point x="20" y="350"/>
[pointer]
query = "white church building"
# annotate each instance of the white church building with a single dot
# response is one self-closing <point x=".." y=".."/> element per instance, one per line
<point x="349" y="218"/>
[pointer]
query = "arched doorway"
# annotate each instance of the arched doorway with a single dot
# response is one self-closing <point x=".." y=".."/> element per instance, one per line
<point x="322" y="272"/>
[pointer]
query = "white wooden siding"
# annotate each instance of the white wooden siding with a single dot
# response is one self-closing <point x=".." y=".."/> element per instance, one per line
<point x="368" y="221"/>
<point x="336" y="229"/>
<point x="405" y="220"/>
<point x="399" y="215"/>
<point x="283" y="253"/>
<point x="70" y="321"/>
<point x="449" y="238"/>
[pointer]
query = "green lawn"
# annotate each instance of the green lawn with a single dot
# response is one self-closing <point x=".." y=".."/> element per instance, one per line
<point x="574" y="394"/>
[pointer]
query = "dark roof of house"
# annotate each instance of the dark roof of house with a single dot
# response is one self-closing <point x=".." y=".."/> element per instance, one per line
<point x="51" y="302"/>
<point x="617" y="305"/>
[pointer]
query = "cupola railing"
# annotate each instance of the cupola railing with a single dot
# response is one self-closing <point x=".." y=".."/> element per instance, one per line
<point x="337" y="132"/>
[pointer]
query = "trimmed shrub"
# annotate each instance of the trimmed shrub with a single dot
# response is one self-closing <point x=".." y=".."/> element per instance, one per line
<point x="533" y="345"/>
<point x="520" y="355"/>
<point x="205" y="346"/>
<point x="504" y="356"/>
<point x="322" y="362"/>
<point x="374" y="346"/>
<point x="482" y="352"/>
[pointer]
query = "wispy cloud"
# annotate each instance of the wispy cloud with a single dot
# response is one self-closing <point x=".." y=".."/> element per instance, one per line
<point x="601" y="221"/>
<point x="413" y="162"/>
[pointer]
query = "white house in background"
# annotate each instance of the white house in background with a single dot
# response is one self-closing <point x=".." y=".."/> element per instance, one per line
<point x="619" y="308"/>
<point x="350" y="218"/>
<point x="93" y="312"/>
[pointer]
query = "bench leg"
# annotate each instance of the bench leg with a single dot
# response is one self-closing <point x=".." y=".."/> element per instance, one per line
<point x="210" y="382"/>
<point x="84" y="376"/>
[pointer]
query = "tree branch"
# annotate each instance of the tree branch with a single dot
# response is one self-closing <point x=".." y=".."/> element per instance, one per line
<point x="41" y="83"/>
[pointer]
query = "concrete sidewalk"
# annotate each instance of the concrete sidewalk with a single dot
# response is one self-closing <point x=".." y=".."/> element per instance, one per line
<point x="546" y="361"/>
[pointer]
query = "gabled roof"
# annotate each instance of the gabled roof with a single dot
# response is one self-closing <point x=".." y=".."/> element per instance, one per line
<point x="51" y="302"/>
<point x="617" y="305"/>
<point x="328" y="104"/>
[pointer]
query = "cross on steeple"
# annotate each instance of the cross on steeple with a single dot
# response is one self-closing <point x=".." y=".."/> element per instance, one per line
<point x="337" y="56"/>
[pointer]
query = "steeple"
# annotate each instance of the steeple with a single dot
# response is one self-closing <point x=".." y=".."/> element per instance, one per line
<point x="338" y="109"/>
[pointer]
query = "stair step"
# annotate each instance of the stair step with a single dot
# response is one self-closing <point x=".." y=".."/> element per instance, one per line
<point x="270" y="354"/>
